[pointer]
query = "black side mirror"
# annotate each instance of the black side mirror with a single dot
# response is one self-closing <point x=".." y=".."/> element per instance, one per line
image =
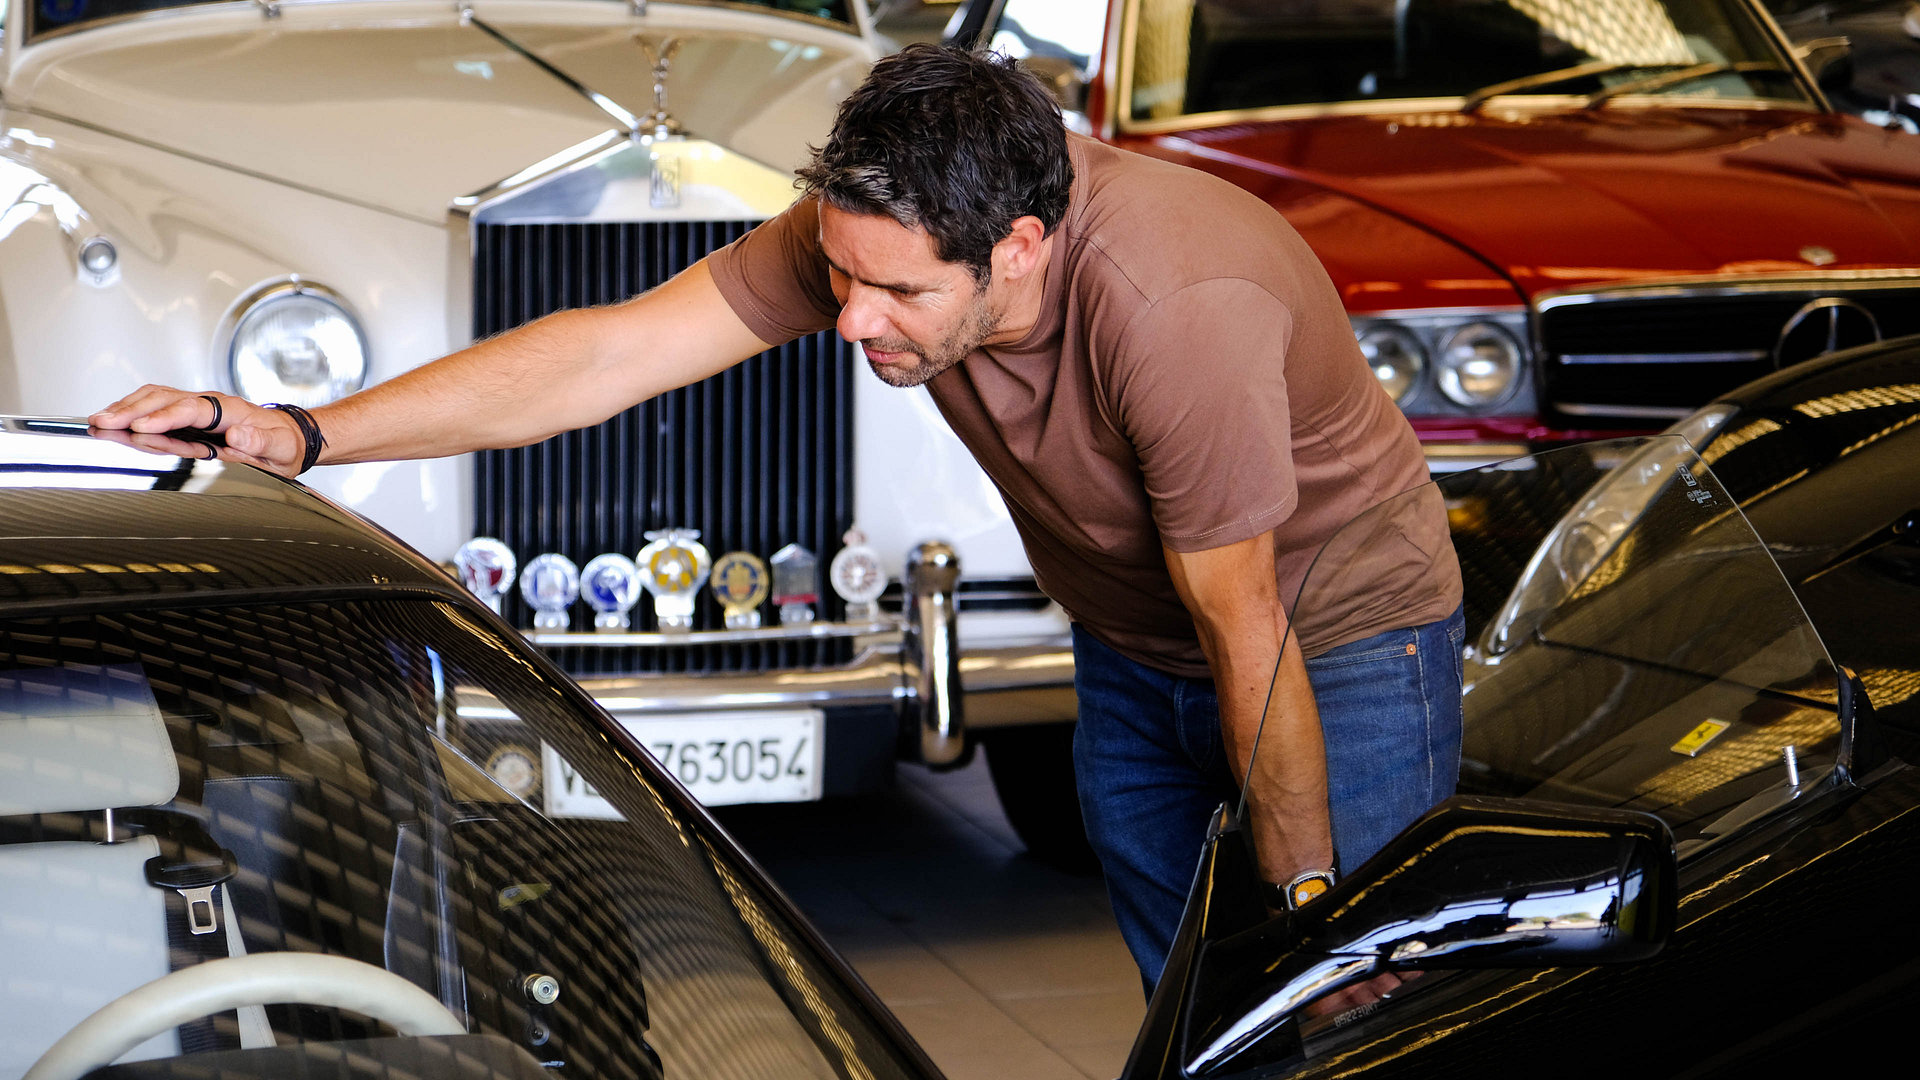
<point x="1475" y="883"/>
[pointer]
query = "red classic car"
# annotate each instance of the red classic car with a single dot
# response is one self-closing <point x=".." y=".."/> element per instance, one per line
<point x="1550" y="219"/>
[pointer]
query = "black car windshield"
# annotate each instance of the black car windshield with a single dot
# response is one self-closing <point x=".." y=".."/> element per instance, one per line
<point x="358" y="782"/>
<point x="50" y="16"/>
<point x="1630" y="642"/>
<point x="1190" y="57"/>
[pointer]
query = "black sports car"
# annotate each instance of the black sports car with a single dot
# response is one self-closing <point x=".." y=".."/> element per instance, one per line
<point x="262" y="813"/>
<point x="1725" y="641"/>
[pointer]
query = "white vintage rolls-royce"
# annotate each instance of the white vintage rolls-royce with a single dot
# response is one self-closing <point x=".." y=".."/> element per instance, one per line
<point x="292" y="199"/>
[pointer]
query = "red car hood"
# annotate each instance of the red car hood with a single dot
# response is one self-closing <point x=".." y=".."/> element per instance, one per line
<point x="1556" y="200"/>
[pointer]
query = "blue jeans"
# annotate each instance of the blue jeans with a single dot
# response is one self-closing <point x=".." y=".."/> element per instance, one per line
<point x="1152" y="767"/>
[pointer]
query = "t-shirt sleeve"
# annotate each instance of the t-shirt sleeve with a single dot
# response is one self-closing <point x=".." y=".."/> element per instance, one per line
<point x="1198" y="383"/>
<point x="775" y="278"/>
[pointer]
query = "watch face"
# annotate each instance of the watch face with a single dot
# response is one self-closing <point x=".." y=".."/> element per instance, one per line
<point x="514" y="768"/>
<point x="1307" y="887"/>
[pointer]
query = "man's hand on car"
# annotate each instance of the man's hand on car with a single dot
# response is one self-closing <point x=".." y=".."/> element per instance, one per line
<point x="144" y="419"/>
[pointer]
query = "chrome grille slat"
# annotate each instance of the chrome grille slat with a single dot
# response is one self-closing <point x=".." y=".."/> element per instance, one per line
<point x="1634" y="356"/>
<point x="755" y="457"/>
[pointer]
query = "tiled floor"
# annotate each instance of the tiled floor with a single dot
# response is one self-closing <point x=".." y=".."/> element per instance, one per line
<point x="1004" y="969"/>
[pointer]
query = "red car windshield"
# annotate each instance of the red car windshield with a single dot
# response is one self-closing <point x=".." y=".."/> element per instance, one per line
<point x="1231" y="56"/>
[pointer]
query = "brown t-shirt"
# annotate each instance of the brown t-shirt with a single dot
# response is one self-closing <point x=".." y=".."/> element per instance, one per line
<point x="1192" y="381"/>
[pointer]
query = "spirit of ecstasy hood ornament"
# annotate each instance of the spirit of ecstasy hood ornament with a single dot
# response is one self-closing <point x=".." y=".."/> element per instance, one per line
<point x="659" y="122"/>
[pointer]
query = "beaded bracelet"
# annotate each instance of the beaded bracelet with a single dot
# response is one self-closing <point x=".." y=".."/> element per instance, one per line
<point x="309" y="430"/>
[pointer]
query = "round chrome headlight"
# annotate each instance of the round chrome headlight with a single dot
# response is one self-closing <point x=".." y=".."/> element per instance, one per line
<point x="1396" y="358"/>
<point x="296" y="342"/>
<point x="1479" y="365"/>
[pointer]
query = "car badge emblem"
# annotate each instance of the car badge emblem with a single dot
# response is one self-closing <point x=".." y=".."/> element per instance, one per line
<point x="740" y="584"/>
<point x="660" y="54"/>
<point x="1696" y="740"/>
<point x="611" y="586"/>
<point x="673" y="567"/>
<point x="550" y="583"/>
<point x="1821" y="326"/>
<point x="486" y="567"/>
<point x="796" y="584"/>
<point x="663" y="188"/>
<point x="856" y="575"/>
<point x="1817" y="255"/>
<point x="516" y="769"/>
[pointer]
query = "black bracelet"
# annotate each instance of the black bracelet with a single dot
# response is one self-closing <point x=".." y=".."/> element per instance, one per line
<point x="309" y="430"/>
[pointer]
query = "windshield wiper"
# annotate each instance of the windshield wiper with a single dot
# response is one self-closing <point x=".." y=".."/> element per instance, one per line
<point x="1545" y="78"/>
<point x="1685" y="75"/>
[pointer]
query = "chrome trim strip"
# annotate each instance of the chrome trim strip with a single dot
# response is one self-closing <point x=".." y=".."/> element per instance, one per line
<point x="1733" y="285"/>
<point x="1439" y="314"/>
<point x="655" y="640"/>
<point x="578" y="156"/>
<point x="1460" y="457"/>
<point x="1731" y="356"/>
<point x="1645" y="412"/>
<point x="1503" y="450"/>
<point x="1019" y="683"/>
<point x="599" y="101"/>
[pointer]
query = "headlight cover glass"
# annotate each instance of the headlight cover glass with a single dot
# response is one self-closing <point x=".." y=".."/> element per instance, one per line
<point x="296" y="342"/>
<point x="1396" y="358"/>
<point x="1478" y="365"/>
<point x="1582" y="541"/>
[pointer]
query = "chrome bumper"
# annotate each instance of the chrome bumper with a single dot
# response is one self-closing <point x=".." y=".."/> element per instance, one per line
<point x="912" y="664"/>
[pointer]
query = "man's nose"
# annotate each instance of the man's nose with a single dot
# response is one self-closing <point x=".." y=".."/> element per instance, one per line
<point x="860" y="317"/>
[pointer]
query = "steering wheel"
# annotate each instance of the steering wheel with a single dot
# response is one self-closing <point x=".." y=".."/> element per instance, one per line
<point x="219" y="985"/>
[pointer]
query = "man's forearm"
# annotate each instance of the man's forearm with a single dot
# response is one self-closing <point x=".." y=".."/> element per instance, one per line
<point x="1286" y="778"/>
<point x="511" y="390"/>
<point x="1243" y="628"/>
<point x="568" y="370"/>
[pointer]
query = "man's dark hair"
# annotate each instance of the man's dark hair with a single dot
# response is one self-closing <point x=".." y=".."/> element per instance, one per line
<point x="958" y="143"/>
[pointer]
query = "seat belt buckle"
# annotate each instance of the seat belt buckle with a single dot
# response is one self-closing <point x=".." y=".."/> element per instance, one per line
<point x="195" y="882"/>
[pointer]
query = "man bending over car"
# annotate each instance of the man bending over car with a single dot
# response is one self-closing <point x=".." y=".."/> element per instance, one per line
<point x="1155" y="371"/>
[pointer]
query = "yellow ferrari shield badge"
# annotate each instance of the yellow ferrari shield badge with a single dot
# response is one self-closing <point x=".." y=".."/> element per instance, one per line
<point x="1697" y="739"/>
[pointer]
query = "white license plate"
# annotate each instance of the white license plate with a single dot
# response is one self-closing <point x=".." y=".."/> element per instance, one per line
<point x="722" y="758"/>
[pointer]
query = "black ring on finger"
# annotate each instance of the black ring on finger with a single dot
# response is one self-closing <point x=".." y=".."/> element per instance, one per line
<point x="213" y="453"/>
<point x="213" y="424"/>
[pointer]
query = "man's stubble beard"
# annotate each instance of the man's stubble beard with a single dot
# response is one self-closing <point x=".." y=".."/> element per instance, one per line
<point x="975" y="326"/>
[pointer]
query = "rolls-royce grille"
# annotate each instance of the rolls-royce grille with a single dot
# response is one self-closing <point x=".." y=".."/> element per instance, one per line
<point x="1633" y="358"/>
<point x="756" y="457"/>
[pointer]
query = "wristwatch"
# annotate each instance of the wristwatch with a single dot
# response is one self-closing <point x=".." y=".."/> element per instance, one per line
<point x="1305" y="886"/>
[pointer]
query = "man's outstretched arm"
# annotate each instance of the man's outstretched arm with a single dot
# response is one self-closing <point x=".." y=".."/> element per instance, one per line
<point x="565" y="371"/>
<point x="1234" y="599"/>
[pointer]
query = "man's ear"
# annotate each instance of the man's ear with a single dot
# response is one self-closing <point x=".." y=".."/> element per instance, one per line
<point x="1022" y="250"/>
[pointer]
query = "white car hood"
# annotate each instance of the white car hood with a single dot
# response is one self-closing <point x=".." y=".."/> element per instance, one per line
<point x="433" y="109"/>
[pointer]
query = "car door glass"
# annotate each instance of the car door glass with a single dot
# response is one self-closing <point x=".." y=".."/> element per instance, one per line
<point x="1629" y="641"/>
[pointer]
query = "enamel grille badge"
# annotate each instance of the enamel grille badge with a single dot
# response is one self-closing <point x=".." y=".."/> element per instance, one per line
<point x="856" y="575"/>
<point x="674" y="566"/>
<point x="796" y="584"/>
<point x="486" y="567"/>
<point x="740" y="583"/>
<point x="551" y="583"/>
<point x="611" y="586"/>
